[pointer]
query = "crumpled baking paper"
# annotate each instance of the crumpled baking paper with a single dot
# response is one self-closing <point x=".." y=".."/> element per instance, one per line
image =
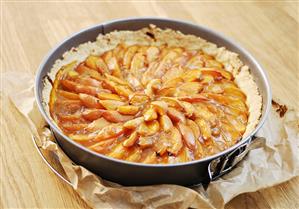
<point x="271" y="160"/>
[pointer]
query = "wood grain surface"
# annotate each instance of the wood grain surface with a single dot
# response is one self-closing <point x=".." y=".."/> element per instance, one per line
<point x="29" y="29"/>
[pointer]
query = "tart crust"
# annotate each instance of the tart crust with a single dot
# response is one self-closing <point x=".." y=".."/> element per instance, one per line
<point x="155" y="36"/>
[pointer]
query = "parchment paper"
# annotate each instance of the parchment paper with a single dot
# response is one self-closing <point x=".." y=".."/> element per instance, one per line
<point x="270" y="162"/>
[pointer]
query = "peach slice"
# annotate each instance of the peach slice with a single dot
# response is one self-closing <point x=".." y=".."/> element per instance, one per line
<point x="81" y="137"/>
<point x="111" y="104"/>
<point x="213" y="63"/>
<point x="195" y="62"/>
<point x="175" y="141"/>
<point x="204" y="128"/>
<point x="109" y="96"/>
<point x="116" y="79"/>
<point x="92" y="114"/>
<point x="84" y="70"/>
<point x="128" y="109"/>
<point x="135" y="155"/>
<point x="184" y="155"/>
<point x="151" y="158"/>
<point x="171" y="83"/>
<point x="217" y="73"/>
<point x="167" y="92"/>
<point x="118" y="151"/>
<point x="115" y="117"/>
<point x="78" y="88"/>
<point x="131" y="140"/>
<point x="161" y="144"/>
<point x="68" y="95"/>
<point x="134" y="123"/>
<point x="188" y="135"/>
<point x="146" y="141"/>
<point x="101" y="146"/>
<point x="150" y="114"/>
<point x="148" y="129"/>
<point x="192" y="75"/>
<point x="123" y="91"/>
<point x="194" y="98"/>
<point x="73" y="126"/>
<point x="128" y="56"/>
<point x="97" y="124"/>
<point x="160" y="107"/>
<point x="189" y="88"/>
<point x="111" y="131"/>
<point x="90" y="101"/>
<point x="138" y="99"/>
<point x="165" y="123"/>
<point x="175" y="115"/>
<point x="89" y="81"/>
<point x="69" y="117"/>
<point x="173" y="73"/>
<point x="195" y="129"/>
<point x="96" y="63"/>
<point x="137" y="63"/>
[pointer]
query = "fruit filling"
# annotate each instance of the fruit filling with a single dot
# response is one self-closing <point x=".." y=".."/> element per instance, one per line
<point x="149" y="104"/>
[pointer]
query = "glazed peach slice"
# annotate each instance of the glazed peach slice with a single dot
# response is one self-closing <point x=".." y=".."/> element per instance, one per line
<point x="112" y="64"/>
<point x="134" y="123"/>
<point x="116" y="80"/>
<point x="194" y="98"/>
<point x="175" y="141"/>
<point x="204" y="127"/>
<point x="111" y="131"/>
<point x="150" y="158"/>
<point x="90" y="101"/>
<point x="118" y="151"/>
<point x="68" y="95"/>
<point x="184" y="155"/>
<point x="89" y="81"/>
<point x="188" y="88"/>
<point x="149" y="128"/>
<point x="96" y="63"/>
<point x="73" y="126"/>
<point x="128" y="56"/>
<point x="128" y="109"/>
<point x="195" y="129"/>
<point x="195" y="62"/>
<point x="150" y="114"/>
<point x="70" y="117"/>
<point x="138" y="62"/>
<point x="217" y="73"/>
<point x="111" y="104"/>
<point x="84" y="70"/>
<point x="97" y="125"/>
<point x="109" y="96"/>
<point x="102" y="146"/>
<point x="165" y="123"/>
<point x="176" y="115"/>
<point x="147" y="141"/>
<point x="131" y="140"/>
<point x="134" y="155"/>
<point x="138" y="99"/>
<point x="115" y="117"/>
<point x="161" y="144"/>
<point x="79" y="88"/>
<point x="192" y="75"/>
<point x="213" y="63"/>
<point x="92" y="114"/>
<point x="173" y="73"/>
<point x="160" y="107"/>
<point x="188" y="135"/>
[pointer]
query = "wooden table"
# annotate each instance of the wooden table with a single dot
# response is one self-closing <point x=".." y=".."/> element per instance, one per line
<point x="269" y="30"/>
